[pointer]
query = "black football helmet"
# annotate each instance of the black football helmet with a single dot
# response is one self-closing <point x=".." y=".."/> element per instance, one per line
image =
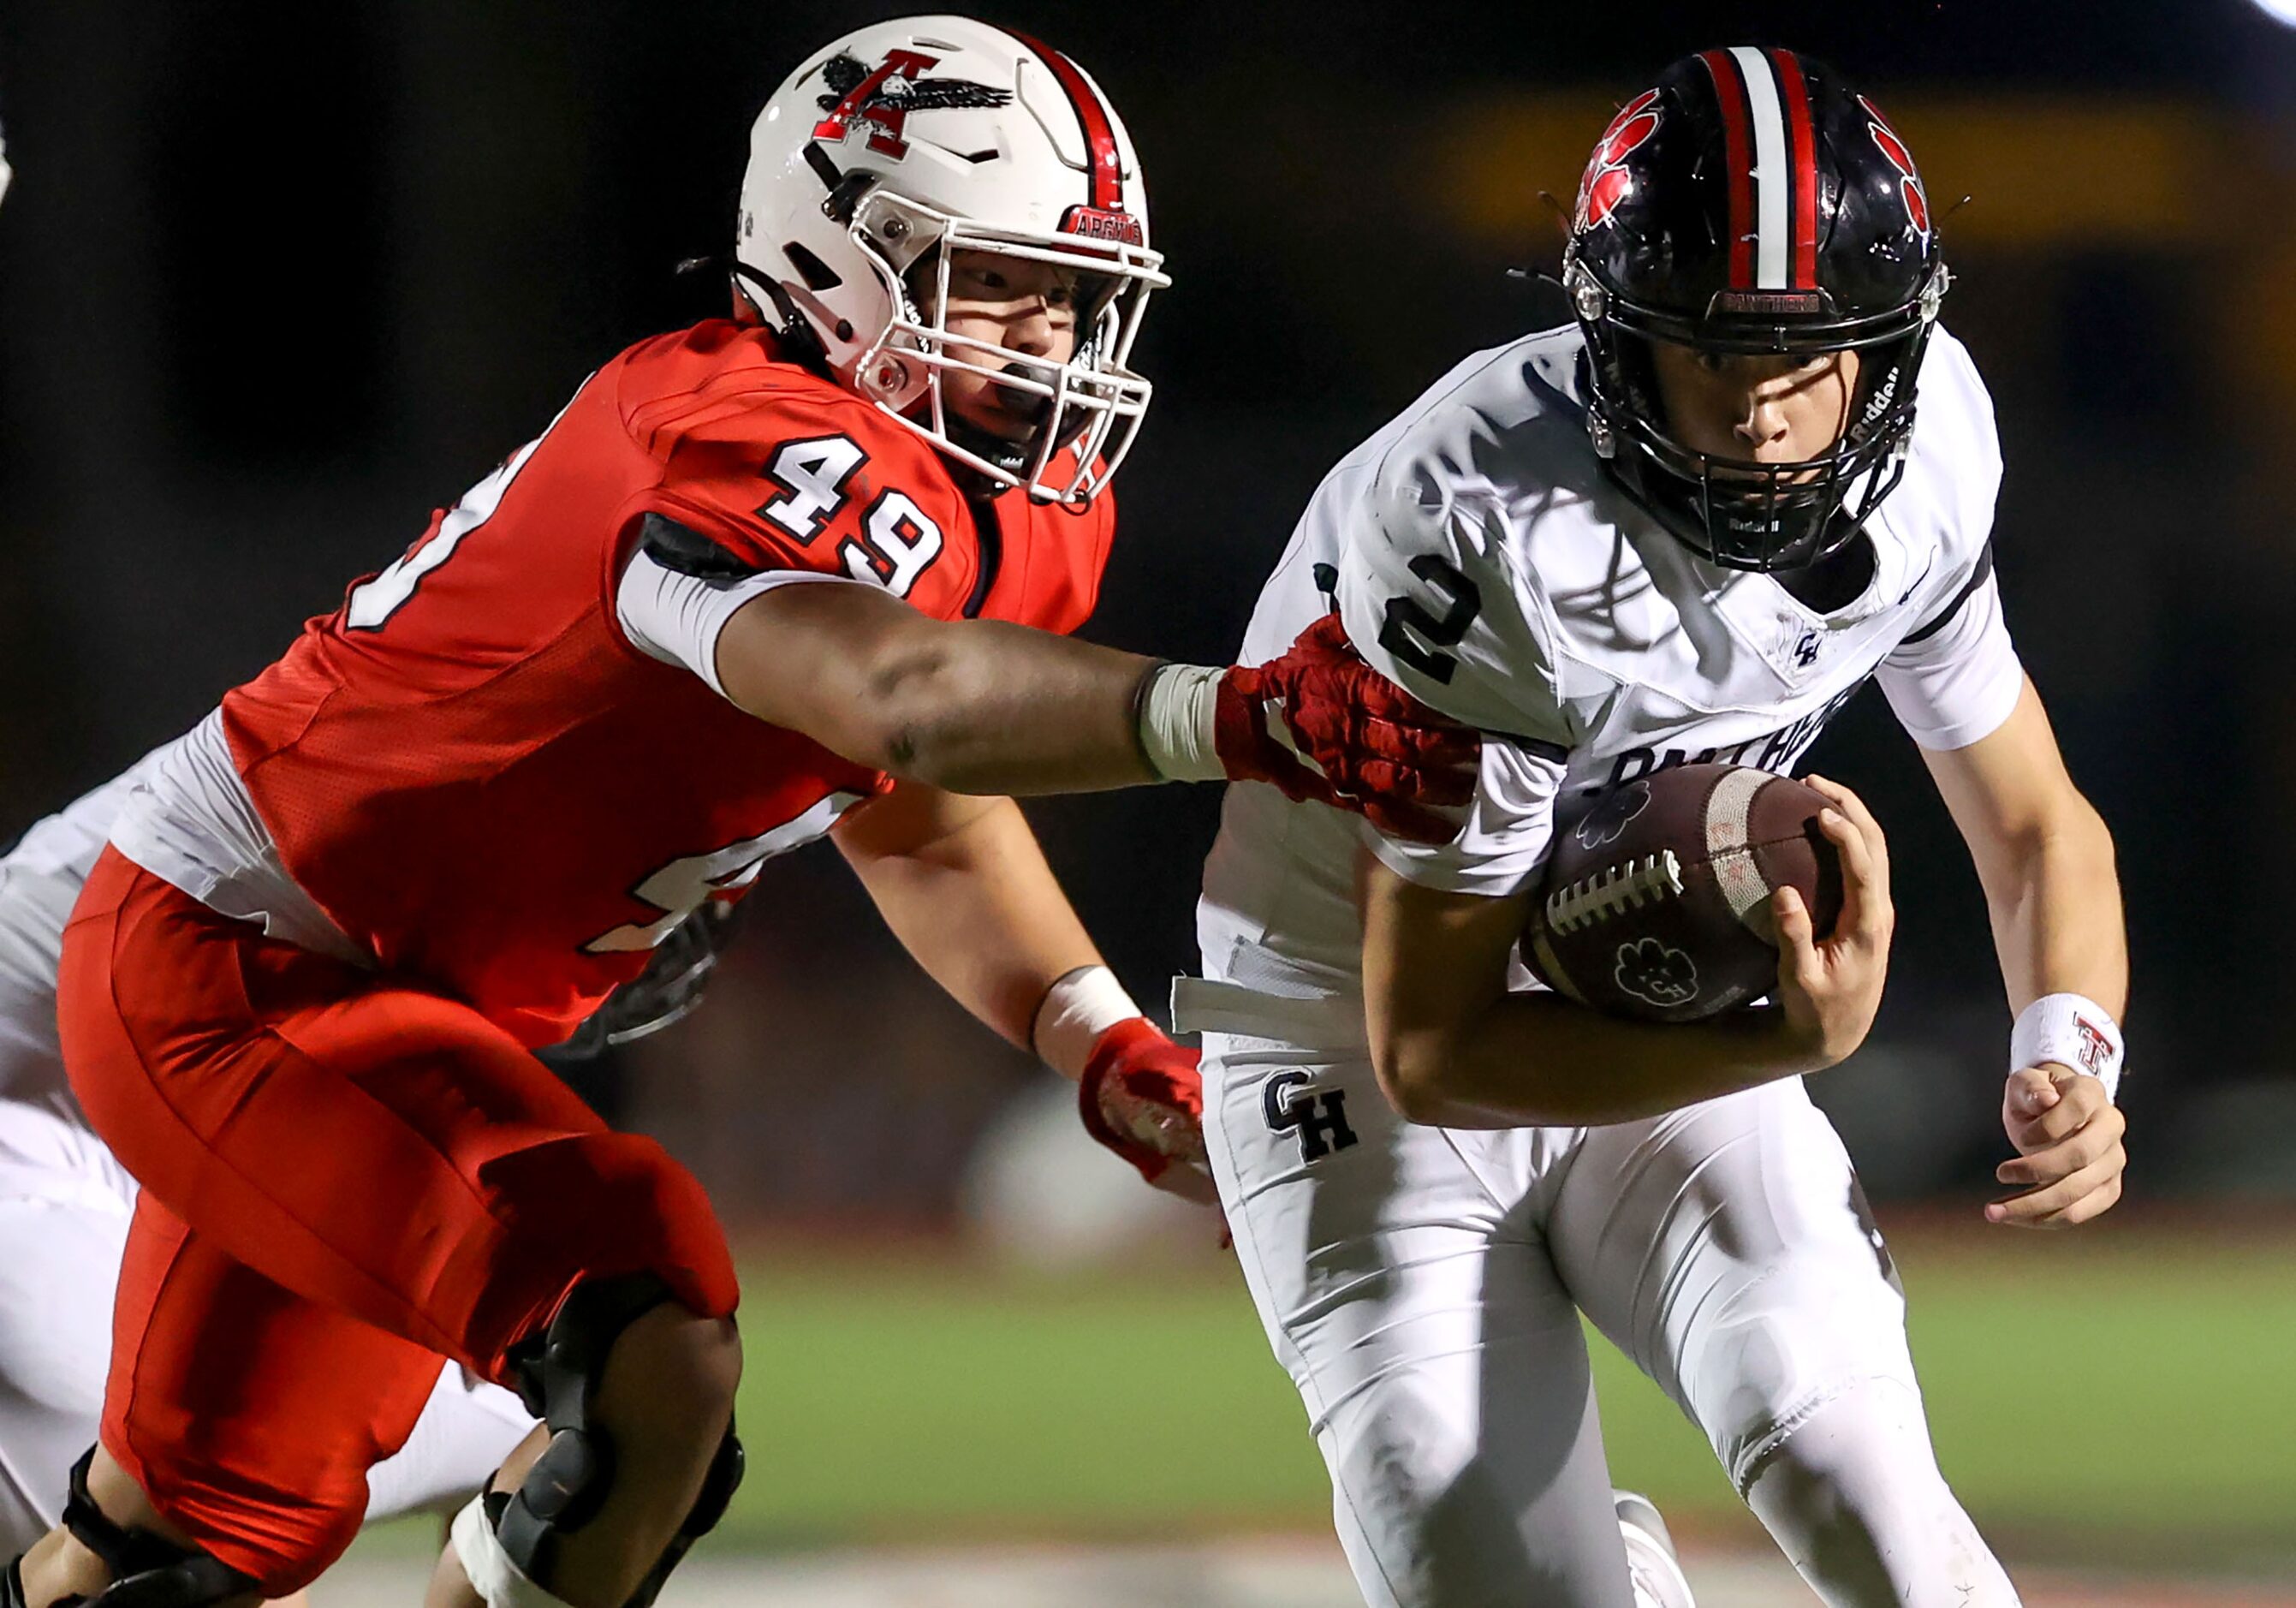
<point x="1752" y="202"/>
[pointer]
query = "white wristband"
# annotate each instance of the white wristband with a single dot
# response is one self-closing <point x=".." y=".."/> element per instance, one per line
<point x="2073" y="1031"/>
<point x="1176" y="710"/>
<point x="1082" y="1006"/>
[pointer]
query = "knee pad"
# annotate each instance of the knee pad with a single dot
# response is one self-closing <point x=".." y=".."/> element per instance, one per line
<point x="1854" y="1497"/>
<point x="147" y="1571"/>
<point x="508" y="1541"/>
<point x="1760" y="1362"/>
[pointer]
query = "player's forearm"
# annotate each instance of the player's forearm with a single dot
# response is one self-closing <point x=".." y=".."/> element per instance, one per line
<point x="2044" y="858"/>
<point x="1536" y="1060"/>
<point x="977" y="707"/>
<point x="995" y="709"/>
<point x="2055" y="898"/>
<point x="977" y="906"/>
<point x="1453" y="1048"/>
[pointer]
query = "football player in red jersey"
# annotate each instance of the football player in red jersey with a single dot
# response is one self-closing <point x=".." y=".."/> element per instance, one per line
<point x="801" y="571"/>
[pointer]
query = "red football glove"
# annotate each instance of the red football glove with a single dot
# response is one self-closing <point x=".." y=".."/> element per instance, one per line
<point x="1141" y="1097"/>
<point x="1357" y="740"/>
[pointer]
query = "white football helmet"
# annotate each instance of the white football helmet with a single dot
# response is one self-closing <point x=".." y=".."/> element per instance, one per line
<point x="905" y="141"/>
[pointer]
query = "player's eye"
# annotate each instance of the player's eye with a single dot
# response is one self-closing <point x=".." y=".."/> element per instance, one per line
<point x="979" y="281"/>
<point x="1712" y="362"/>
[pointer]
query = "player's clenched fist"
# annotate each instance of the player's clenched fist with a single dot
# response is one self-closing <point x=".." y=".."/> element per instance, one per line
<point x="2068" y="1135"/>
<point x="1141" y="1097"/>
<point x="1319" y="723"/>
<point x="1830" y="988"/>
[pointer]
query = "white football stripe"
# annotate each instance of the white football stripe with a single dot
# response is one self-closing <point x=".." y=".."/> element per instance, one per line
<point x="1747" y="891"/>
<point x="1729" y="825"/>
<point x="1730" y="810"/>
<point x="1772" y="173"/>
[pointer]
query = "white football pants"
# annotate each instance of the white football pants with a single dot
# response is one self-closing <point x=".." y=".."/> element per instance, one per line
<point x="63" y="1229"/>
<point x="1422" y="1286"/>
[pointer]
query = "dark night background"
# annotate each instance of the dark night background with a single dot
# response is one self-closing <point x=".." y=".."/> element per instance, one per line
<point x="276" y="281"/>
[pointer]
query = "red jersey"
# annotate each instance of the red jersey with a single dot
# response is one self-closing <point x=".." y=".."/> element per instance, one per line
<point x="479" y="779"/>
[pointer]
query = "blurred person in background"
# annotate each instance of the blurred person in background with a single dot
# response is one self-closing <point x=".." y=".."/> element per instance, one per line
<point x="1688" y="526"/>
<point x="804" y="571"/>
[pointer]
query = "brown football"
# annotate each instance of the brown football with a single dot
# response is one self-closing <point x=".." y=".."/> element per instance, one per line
<point x="1656" y="903"/>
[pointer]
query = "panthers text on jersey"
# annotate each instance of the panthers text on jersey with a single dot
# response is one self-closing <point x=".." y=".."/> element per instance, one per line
<point x="1481" y="557"/>
<point x="501" y="768"/>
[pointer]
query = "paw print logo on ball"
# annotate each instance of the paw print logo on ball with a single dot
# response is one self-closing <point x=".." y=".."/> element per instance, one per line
<point x="1656" y="974"/>
<point x="1607" y="820"/>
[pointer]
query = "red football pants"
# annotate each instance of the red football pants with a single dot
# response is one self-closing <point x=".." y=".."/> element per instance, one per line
<point x="344" y="1178"/>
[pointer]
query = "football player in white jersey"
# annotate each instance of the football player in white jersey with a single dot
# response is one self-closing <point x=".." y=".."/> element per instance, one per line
<point x="1753" y="474"/>
<point x="64" y="1207"/>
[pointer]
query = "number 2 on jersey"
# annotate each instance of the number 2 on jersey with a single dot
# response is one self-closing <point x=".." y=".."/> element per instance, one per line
<point x="899" y="541"/>
<point x="1414" y="636"/>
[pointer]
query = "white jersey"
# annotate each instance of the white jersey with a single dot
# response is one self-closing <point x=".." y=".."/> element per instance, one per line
<point x="1481" y="556"/>
<point x="44" y="1142"/>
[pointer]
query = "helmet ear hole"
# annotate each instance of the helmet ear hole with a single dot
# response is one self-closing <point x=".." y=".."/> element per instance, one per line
<point x="817" y="275"/>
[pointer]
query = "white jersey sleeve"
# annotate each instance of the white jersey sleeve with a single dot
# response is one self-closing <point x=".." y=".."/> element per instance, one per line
<point x="1955" y="677"/>
<point x="1431" y="596"/>
<point x="677" y="618"/>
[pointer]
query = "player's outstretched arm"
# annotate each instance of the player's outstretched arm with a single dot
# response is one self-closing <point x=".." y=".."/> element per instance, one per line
<point x="963" y="885"/>
<point x="989" y="707"/>
<point x="2046" y="862"/>
<point x="1452" y="1047"/>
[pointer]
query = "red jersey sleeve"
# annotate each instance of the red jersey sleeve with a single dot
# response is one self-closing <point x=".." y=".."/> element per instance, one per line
<point x="786" y="471"/>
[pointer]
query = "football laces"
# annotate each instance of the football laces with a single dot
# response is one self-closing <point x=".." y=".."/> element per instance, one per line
<point x="1613" y="890"/>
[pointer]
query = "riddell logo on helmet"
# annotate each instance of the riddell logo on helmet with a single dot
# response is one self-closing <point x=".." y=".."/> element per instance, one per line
<point x="1605" y="183"/>
<point x="1909" y="185"/>
<point x="884" y="96"/>
<point x="1095" y="223"/>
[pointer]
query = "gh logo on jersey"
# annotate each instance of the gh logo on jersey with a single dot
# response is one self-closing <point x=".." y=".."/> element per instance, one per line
<point x="1318" y="1116"/>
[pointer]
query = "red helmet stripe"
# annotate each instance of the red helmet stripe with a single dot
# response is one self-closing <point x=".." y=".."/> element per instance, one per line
<point x="1737" y="155"/>
<point x="1801" y="150"/>
<point x="1102" y="160"/>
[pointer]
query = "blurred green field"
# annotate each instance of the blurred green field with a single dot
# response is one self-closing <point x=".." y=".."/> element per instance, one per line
<point x="2121" y="1394"/>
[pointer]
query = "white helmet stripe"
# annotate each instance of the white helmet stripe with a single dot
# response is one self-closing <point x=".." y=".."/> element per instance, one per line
<point x="1766" y="108"/>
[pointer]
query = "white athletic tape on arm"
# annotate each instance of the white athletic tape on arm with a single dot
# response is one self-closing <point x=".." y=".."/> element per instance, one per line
<point x="1176" y="710"/>
<point x="491" y="1573"/>
<point x="1081" y="1006"/>
<point x="2073" y="1031"/>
